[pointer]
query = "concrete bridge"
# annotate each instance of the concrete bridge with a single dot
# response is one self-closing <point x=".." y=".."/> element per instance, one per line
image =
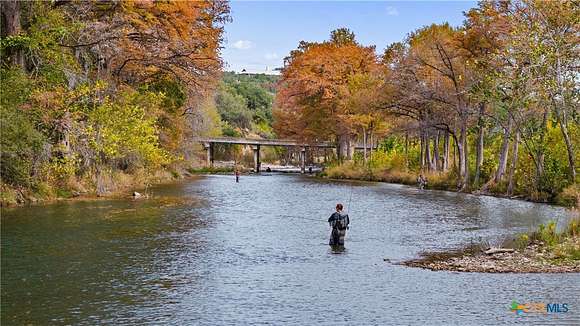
<point x="208" y="144"/>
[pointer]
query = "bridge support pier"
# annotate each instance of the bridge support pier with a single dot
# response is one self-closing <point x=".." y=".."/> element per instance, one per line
<point x="303" y="160"/>
<point x="257" y="162"/>
<point x="209" y="153"/>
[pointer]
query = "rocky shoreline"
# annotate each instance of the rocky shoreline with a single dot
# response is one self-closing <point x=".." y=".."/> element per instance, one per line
<point x="534" y="258"/>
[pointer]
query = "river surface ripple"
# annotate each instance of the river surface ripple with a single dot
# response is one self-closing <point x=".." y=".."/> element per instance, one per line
<point x="209" y="251"/>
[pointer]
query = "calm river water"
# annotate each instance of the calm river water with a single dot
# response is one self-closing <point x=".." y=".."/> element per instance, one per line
<point x="209" y="251"/>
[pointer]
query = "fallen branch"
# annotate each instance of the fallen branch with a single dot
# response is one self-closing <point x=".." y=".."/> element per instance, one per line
<point x="492" y="251"/>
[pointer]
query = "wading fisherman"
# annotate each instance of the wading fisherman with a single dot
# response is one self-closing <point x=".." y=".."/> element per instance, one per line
<point x="237" y="172"/>
<point x="421" y="181"/>
<point x="339" y="222"/>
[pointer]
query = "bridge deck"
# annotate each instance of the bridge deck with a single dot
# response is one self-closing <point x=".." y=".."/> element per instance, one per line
<point x="270" y="142"/>
<point x="262" y="142"/>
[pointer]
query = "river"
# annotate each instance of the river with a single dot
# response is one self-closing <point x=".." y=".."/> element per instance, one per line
<point x="208" y="251"/>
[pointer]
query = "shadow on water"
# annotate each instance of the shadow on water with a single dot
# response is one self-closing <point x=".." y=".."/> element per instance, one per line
<point x="212" y="252"/>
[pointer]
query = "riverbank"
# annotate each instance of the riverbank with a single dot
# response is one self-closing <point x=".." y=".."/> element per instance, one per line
<point x="543" y="251"/>
<point x="115" y="185"/>
<point x="568" y="197"/>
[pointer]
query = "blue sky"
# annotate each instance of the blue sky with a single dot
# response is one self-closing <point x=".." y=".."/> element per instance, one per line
<point x="264" y="32"/>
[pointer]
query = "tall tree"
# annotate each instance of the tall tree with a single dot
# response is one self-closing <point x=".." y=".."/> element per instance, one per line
<point x="316" y="86"/>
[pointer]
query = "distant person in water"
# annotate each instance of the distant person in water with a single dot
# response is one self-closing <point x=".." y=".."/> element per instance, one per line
<point x="339" y="222"/>
<point x="421" y="181"/>
<point x="237" y="172"/>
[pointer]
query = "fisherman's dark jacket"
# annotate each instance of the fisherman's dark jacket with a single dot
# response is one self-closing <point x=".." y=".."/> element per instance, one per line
<point x="336" y="220"/>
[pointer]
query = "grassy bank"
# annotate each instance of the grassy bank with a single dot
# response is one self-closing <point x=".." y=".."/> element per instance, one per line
<point x="569" y="196"/>
<point x="112" y="185"/>
<point x="559" y="247"/>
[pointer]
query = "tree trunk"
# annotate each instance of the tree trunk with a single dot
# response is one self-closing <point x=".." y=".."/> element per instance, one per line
<point x="445" y="164"/>
<point x="462" y="153"/>
<point x="428" y="153"/>
<point x="12" y="26"/>
<point x="345" y="148"/>
<point x="504" y="152"/>
<point x="365" y="145"/>
<point x="569" y="147"/>
<point x="99" y="182"/>
<point x="514" y="162"/>
<point x="540" y="151"/>
<point x="436" y="152"/>
<point x="351" y="147"/>
<point x="372" y="147"/>
<point x="406" y="151"/>
<point x="479" y="154"/>
<point x="455" y="150"/>
<point x="338" y="149"/>
<point x="422" y="154"/>
<point x="563" y="119"/>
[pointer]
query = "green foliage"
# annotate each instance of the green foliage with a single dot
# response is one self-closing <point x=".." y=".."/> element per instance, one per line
<point x="522" y="241"/>
<point x="573" y="228"/>
<point x="64" y="129"/>
<point x="342" y="36"/>
<point x="258" y="100"/>
<point x="264" y="129"/>
<point x="21" y="144"/>
<point x="16" y="87"/>
<point x="563" y="245"/>
<point x="233" y="107"/>
<point x="229" y="131"/>
<point x="116" y="130"/>
<point x="547" y="234"/>
<point x="245" y="102"/>
<point x="212" y="124"/>
<point x="13" y="42"/>
<point x="62" y="169"/>
<point x="173" y="93"/>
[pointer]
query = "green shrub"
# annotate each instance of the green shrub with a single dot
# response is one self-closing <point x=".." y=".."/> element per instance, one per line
<point x="44" y="190"/>
<point x="522" y="241"/>
<point x="547" y="234"/>
<point x="21" y="145"/>
<point x="573" y="227"/>
<point x="174" y="174"/>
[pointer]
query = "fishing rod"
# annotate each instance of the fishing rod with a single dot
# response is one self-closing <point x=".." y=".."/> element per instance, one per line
<point x="349" y="200"/>
<point x="306" y="218"/>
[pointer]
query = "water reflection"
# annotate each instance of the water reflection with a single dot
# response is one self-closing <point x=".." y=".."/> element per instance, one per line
<point x="214" y="252"/>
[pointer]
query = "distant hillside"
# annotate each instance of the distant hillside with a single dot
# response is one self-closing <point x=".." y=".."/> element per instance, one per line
<point x="244" y="102"/>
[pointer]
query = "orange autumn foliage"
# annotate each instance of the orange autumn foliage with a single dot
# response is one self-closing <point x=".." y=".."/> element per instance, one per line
<point x="314" y="100"/>
<point x="139" y="41"/>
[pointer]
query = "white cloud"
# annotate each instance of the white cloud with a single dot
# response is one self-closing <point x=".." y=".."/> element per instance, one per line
<point x="271" y="56"/>
<point x="243" y="45"/>
<point x="392" y="11"/>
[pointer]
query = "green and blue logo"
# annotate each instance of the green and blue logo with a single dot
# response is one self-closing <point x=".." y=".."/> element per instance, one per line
<point x="538" y="307"/>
